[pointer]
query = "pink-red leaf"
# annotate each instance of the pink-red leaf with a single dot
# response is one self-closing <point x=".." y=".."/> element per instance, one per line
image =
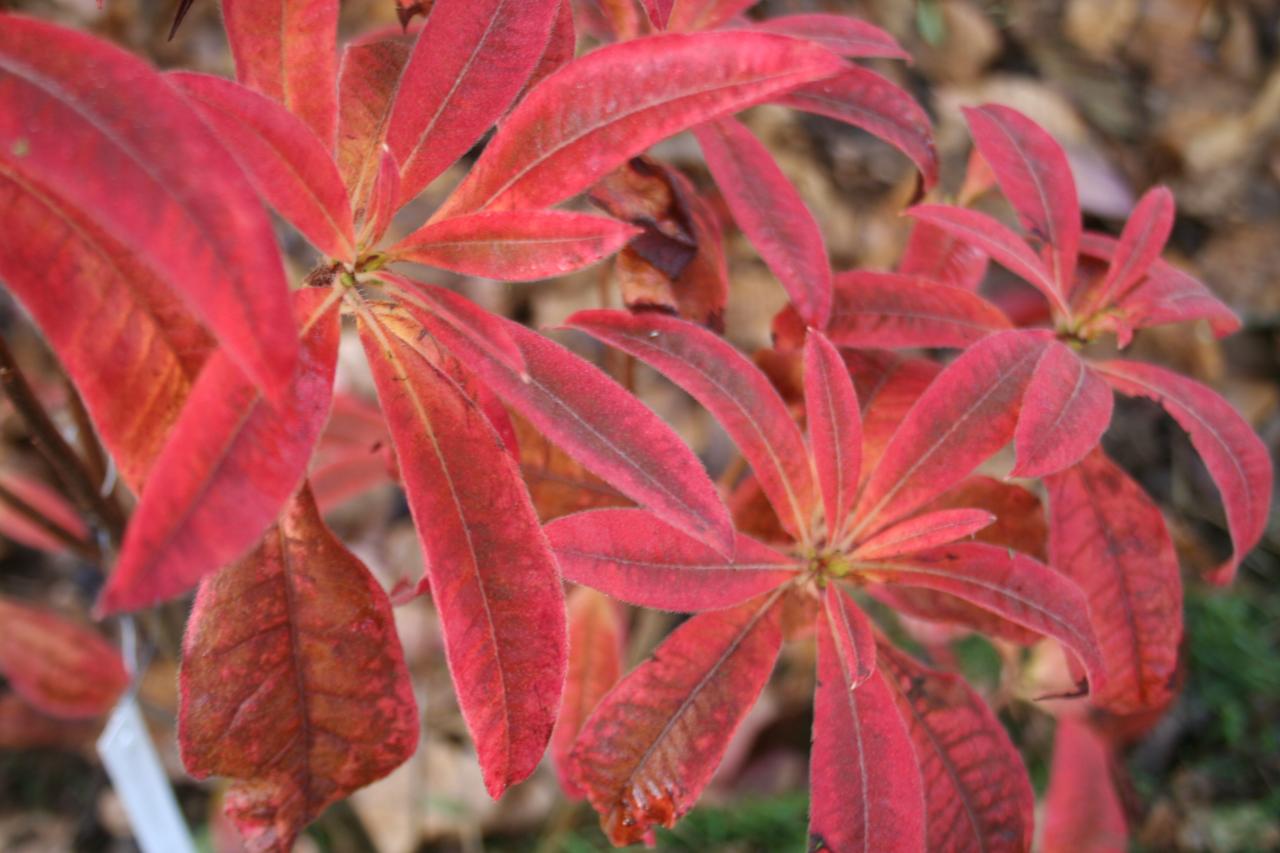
<point x="723" y="380"/>
<point x="995" y="239"/>
<point x="384" y="199"/>
<point x="977" y="794"/>
<point x="771" y="214"/>
<point x="492" y="577"/>
<point x="967" y="413"/>
<point x="600" y="110"/>
<point x="585" y="412"/>
<point x="835" y="429"/>
<point x="659" y="12"/>
<point x="1012" y="585"/>
<point x="290" y="168"/>
<point x="471" y="59"/>
<point x="562" y="44"/>
<point x="287" y="49"/>
<point x="293" y="682"/>
<point x="864" y="782"/>
<point x="635" y="557"/>
<point x="866" y="100"/>
<point x="367" y="83"/>
<point x="1140" y="244"/>
<point x="1110" y="538"/>
<point x="923" y="531"/>
<point x="704" y="14"/>
<point x="1236" y="458"/>
<point x="934" y="253"/>
<point x="1034" y="174"/>
<point x="840" y="34"/>
<point x="1065" y="411"/>
<point x="62" y="668"/>
<point x="515" y="245"/>
<point x="853" y="637"/>
<point x="652" y="745"/>
<point x="47" y="502"/>
<point x="894" y="311"/>
<point x="1082" y="809"/>
<point x="116" y="144"/>
<point x="595" y="665"/>
<point x="232" y="459"/>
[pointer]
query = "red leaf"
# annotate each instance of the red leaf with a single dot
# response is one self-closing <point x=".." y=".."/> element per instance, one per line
<point x="866" y="100"/>
<point x="658" y="11"/>
<point x="368" y="80"/>
<point x="469" y="62"/>
<point x="771" y="214"/>
<point x="231" y="461"/>
<point x="595" y="665"/>
<point x="1012" y="585"/>
<point x="585" y="412"/>
<point x="293" y="682"/>
<point x="923" y="531"/>
<point x="353" y="454"/>
<point x="492" y="577"/>
<point x="864" y="782"/>
<point x="517" y="245"/>
<point x="1140" y="244"/>
<point x="1020" y="522"/>
<point x="835" y="430"/>
<point x="1109" y="537"/>
<point x="976" y="791"/>
<point x="286" y="163"/>
<point x="936" y="254"/>
<point x="887" y="402"/>
<point x="852" y="635"/>
<point x="742" y="399"/>
<point x="118" y="146"/>
<point x="1166" y="295"/>
<point x="286" y="50"/>
<point x="48" y="502"/>
<point x="635" y="557"/>
<point x="967" y="414"/>
<point x="704" y="14"/>
<point x="52" y="257"/>
<point x="1034" y="174"/>
<point x="840" y="34"/>
<point x="1065" y="411"/>
<point x="23" y="727"/>
<point x="562" y="44"/>
<point x="652" y="745"/>
<point x="1236" y="458"/>
<point x="600" y="110"/>
<point x="993" y="238"/>
<point x="1082" y="809"/>
<point x="893" y="311"/>
<point x="60" y="667"/>
<point x="383" y="200"/>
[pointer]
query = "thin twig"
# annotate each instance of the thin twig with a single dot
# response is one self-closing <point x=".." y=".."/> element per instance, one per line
<point x="95" y="456"/>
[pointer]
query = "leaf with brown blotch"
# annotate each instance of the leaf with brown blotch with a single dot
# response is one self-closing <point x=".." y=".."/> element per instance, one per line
<point x="515" y="245"/>
<point x="579" y="408"/>
<point x="1035" y="177"/>
<point x="1065" y="410"/>
<point x="1238" y="461"/>
<point x="653" y="743"/>
<point x="927" y="530"/>
<point x="936" y="254"/>
<point x="368" y="78"/>
<point x="232" y="459"/>
<point x="604" y="108"/>
<point x="1011" y="585"/>
<point x="293" y="682"/>
<point x="977" y="794"/>
<point x="470" y="60"/>
<point x="133" y="376"/>
<point x="491" y="574"/>
<point x="835" y="429"/>
<point x="967" y="413"/>
<point x="62" y="668"/>
<point x="895" y="311"/>
<point x="868" y="101"/>
<point x="595" y="665"/>
<point x="635" y="557"/>
<point x="292" y="170"/>
<point x="732" y="388"/>
<point x="1110" y="538"/>
<point x="1082" y="809"/>
<point x="864" y="784"/>
<point x="287" y="51"/>
<point x="995" y="239"/>
<point x="146" y="186"/>
<point x="840" y="34"/>
<point x="771" y="214"/>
